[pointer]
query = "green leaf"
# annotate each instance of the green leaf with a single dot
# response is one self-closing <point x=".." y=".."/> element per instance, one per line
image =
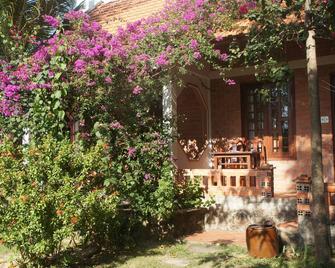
<point x="58" y="94"/>
<point x="57" y="105"/>
<point x="61" y="115"/>
<point x="63" y="66"/>
<point x="57" y="76"/>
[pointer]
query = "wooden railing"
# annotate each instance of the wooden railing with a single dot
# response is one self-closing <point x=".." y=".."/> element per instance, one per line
<point x="239" y="182"/>
<point x="236" y="160"/>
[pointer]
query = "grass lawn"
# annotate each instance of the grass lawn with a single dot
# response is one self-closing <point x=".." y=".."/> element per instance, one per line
<point x="180" y="254"/>
<point x="196" y="255"/>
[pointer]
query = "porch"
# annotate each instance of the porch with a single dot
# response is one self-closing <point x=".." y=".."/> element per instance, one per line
<point x="239" y="144"/>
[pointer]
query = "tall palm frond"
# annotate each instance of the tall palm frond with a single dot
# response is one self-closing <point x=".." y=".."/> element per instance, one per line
<point x="20" y="19"/>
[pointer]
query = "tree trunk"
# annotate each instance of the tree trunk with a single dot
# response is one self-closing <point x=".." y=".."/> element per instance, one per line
<point x="319" y="207"/>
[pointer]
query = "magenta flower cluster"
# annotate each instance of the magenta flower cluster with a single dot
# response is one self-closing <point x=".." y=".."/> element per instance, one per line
<point x="131" y="151"/>
<point x="116" y="125"/>
<point x="87" y="56"/>
<point x="51" y="21"/>
<point x="137" y="90"/>
<point x="244" y="8"/>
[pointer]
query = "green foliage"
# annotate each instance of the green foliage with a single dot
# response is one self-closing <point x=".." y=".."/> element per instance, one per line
<point x="273" y="24"/>
<point x="48" y="192"/>
<point x="117" y="177"/>
<point x="190" y="194"/>
<point x="57" y="194"/>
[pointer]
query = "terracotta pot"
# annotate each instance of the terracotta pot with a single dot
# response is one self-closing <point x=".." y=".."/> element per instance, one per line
<point x="262" y="241"/>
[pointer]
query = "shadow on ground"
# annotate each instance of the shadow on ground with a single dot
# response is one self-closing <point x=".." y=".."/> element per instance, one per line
<point x="91" y="257"/>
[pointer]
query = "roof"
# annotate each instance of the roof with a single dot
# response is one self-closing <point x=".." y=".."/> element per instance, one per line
<point x="117" y="13"/>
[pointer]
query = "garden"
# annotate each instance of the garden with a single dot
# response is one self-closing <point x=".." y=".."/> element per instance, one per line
<point x="85" y="153"/>
<point x="94" y="168"/>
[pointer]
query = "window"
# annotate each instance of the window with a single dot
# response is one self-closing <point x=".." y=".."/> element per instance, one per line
<point x="233" y="181"/>
<point x="252" y="181"/>
<point x="243" y="181"/>
<point x="268" y="119"/>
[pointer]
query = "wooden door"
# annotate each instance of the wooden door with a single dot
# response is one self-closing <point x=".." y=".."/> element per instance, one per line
<point x="267" y="118"/>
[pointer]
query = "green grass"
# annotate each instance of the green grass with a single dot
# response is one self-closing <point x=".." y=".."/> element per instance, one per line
<point x="180" y="254"/>
<point x="199" y="255"/>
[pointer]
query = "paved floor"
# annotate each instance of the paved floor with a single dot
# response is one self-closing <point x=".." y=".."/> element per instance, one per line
<point x="231" y="237"/>
<point x="218" y="237"/>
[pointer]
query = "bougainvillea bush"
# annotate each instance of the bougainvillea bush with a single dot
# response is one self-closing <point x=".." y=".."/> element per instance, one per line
<point x="104" y="91"/>
<point x="85" y="74"/>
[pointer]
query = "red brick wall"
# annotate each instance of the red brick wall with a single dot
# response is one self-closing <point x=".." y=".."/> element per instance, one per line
<point x="226" y="110"/>
<point x="192" y="116"/>
<point x="226" y="122"/>
<point x="296" y="51"/>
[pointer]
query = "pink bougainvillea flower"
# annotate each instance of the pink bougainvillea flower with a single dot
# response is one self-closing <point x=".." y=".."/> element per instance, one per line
<point x="41" y="54"/>
<point x="194" y="44"/>
<point x="79" y="66"/>
<point x="197" y="55"/>
<point x="189" y="16"/>
<point x="199" y="3"/>
<point x="185" y="27"/>
<point x="11" y="91"/>
<point x="210" y="32"/>
<point x="137" y="90"/>
<point x="182" y="30"/>
<point x="243" y="9"/>
<point x="95" y="26"/>
<point x="76" y="15"/>
<point x="223" y="56"/>
<point x="163" y="28"/>
<point x="108" y="80"/>
<point x="51" y="74"/>
<point x="147" y="176"/>
<point x="162" y="59"/>
<point x="116" y="125"/>
<point x="221" y="9"/>
<point x="52" y="21"/>
<point x="131" y="151"/>
<point x="230" y="82"/>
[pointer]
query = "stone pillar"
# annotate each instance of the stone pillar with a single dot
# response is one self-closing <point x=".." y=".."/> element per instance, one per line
<point x="209" y="125"/>
<point x="169" y="110"/>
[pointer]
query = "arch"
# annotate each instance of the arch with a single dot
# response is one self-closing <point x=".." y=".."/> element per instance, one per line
<point x="192" y="122"/>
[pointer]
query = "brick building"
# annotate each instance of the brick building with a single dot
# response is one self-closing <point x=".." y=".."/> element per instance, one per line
<point x="275" y="135"/>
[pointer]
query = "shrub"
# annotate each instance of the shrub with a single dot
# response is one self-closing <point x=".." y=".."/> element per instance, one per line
<point x="58" y="194"/>
<point x="50" y="193"/>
